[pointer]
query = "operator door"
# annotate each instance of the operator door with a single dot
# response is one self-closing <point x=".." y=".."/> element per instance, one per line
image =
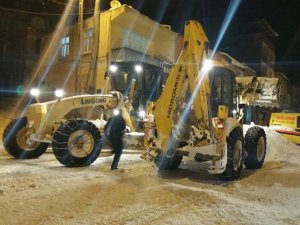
<point x="222" y="83"/>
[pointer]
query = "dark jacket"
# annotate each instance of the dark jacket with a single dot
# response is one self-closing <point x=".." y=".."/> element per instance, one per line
<point x="115" y="127"/>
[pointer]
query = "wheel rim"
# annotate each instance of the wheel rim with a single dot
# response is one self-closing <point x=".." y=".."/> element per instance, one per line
<point x="81" y="143"/>
<point x="23" y="141"/>
<point x="261" y="146"/>
<point x="237" y="155"/>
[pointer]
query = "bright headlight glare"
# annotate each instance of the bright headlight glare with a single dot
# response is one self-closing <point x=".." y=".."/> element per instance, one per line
<point x="142" y="113"/>
<point x="113" y="68"/>
<point x="35" y="92"/>
<point x="116" y="112"/>
<point x="207" y="65"/>
<point x="234" y="111"/>
<point x="59" y="93"/>
<point x="138" y="68"/>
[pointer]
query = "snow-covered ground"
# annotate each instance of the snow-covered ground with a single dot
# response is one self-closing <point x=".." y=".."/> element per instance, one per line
<point x="41" y="191"/>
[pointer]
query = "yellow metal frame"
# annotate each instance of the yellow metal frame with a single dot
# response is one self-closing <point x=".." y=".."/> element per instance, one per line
<point x="286" y="125"/>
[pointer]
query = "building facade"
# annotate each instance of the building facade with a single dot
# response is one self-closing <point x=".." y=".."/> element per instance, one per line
<point x="131" y="45"/>
<point x="256" y="47"/>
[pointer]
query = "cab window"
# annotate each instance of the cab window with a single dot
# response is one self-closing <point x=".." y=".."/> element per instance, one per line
<point x="222" y="82"/>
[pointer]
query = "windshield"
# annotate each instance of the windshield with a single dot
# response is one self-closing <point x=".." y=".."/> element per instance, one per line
<point x="222" y="93"/>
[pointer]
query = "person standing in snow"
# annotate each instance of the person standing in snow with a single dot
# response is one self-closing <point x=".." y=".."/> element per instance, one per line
<point x="114" y="129"/>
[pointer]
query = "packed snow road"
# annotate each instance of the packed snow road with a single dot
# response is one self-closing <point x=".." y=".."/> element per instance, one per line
<point x="42" y="191"/>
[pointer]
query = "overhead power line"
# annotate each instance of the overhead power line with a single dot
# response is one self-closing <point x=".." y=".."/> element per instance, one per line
<point x="63" y="3"/>
<point x="38" y="13"/>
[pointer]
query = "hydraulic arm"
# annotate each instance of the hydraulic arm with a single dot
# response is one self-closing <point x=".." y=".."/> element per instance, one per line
<point x="184" y="98"/>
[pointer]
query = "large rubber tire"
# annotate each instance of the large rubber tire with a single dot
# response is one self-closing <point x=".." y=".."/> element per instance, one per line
<point x="14" y="141"/>
<point x="77" y="143"/>
<point x="255" y="145"/>
<point x="166" y="163"/>
<point x="235" y="155"/>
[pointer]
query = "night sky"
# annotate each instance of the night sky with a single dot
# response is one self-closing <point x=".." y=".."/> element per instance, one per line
<point x="282" y="15"/>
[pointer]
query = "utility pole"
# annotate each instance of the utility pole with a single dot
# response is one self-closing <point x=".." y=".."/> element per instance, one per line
<point x="80" y="42"/>
<point x="90" y="84"/>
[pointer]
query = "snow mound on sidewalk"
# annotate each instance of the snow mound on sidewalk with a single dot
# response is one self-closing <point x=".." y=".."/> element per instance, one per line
<point x="278" y="147"/>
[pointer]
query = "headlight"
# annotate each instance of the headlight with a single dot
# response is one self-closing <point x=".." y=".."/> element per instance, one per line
<point x="113" y="68"/>
<point x="35" y="92"/>
<point x="59" y="93"/>
<point x="142" y="114"/>
<point x="116" y="112"/>
<point x="138" y="68"/>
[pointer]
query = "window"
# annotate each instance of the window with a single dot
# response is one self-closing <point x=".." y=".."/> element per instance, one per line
<point x="298" y="121"/>
<point x="88" y="40"/>
<point x="153" y="80"/>
<point x="120" y="81"/>
<point x="222" y="87"/>
<point x="216" y="89"/>
<point x="227" y="92"/>
<point x="65" y="46"/>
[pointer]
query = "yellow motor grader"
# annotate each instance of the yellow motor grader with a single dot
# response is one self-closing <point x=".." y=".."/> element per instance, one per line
<point x="75" y="142"/>
<point x="196" y="116"/>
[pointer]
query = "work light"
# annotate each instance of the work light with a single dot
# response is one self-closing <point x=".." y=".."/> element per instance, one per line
<point x="35" y="92"/>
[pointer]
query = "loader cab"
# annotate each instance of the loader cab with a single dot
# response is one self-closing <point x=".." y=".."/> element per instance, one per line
<point x="222" y="83"/>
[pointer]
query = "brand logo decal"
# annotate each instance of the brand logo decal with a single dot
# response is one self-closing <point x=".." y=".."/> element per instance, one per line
<point x="173" y="95"/>
<point x="85" y="101"/>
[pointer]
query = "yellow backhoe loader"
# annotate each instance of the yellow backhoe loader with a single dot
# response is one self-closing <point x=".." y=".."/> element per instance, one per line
<point x="195" y="116"/>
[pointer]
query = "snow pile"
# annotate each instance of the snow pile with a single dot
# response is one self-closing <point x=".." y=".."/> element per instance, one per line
<point x="278" y="147"/>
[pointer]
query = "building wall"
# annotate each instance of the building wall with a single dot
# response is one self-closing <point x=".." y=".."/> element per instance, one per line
<point x="245" y="49"/>
<point x="120" y="27"/>
<point x="255" y="46"/>
<point x="56" y="71"/>
<point x="33" y="48"/>
<point x="13" y="38"/>
<point x="267" y="60"/>
<point x="284" y="95"/>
